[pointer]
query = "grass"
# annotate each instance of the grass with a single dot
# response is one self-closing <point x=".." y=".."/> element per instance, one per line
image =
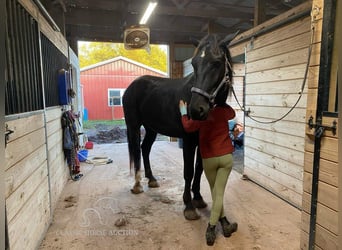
<point x="90" y="124"/>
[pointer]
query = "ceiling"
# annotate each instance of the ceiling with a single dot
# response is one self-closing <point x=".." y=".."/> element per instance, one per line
<point x="173" y="21"/>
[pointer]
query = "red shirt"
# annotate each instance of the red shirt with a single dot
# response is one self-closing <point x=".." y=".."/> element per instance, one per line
<point x="214" y="137"/>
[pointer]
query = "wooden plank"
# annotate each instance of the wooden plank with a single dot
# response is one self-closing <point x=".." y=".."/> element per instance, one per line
<point x="328" y="170"/>
<point x="278" y="74"/>
<point x="295" y="57"/>
<point x="23" y="146"/>
<point x="24" y="126"/>
<point x="282" y="191"/>
<point x="55" y="138"/>
<point x="324" y="238"/>
<point x="55" y="151"/>
<point x="291" y="169"/>
<point x="238" y="69"/>
<point x="326" y="217"/>
<point x="268" y="112"/>
<point x="59" y="175"/>
<point x="277" y="100"/>
<point x="53" y="114"/>
<point x="327" y="194"/>
<point x="290" y="86"/>
<point x="53" y="126"/>
<point x="286" y="154"/>
<point x="312" y="99"/>
<point x="294" y="43"/>
<point x="329" y="148"/>
<point x="289" y="31"/>
<point x="18" y="173"/>
<point x="290" y="141"/>
<point x="287" y="127"/>
<point x="23" y="193"/>
<point x="28" y="227"/>
<point x="276" y="176"/>
<point x="313" y="77"/>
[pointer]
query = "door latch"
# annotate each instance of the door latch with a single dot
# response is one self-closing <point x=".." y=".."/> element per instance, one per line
<point x="7" y="134"/>
<point x="320" y="128"/>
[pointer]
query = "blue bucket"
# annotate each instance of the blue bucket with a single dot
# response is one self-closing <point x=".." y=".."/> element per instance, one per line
<point x="82" y="155"/>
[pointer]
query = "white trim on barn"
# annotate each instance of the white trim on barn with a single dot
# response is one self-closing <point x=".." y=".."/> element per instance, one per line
<point x="124" y="59"/>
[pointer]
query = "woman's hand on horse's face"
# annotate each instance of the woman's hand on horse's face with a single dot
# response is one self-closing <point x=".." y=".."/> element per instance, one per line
<point x="183" y="107"/>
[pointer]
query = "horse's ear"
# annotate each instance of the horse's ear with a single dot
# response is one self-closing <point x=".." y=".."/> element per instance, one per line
<point x="194" y="41"/>
<point x="229" y="38"/>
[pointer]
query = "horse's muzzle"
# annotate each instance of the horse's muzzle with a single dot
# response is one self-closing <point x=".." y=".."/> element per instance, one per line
<point x="199" y="112"/>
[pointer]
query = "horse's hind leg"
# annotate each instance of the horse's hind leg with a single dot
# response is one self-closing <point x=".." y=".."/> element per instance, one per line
<point x="146" y="146"/>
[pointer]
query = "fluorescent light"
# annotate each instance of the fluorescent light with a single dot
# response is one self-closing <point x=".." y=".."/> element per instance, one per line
<point x="150" y="8"/>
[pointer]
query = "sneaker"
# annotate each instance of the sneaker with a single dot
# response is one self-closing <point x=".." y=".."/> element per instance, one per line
<point x="228" y="228"/>
<point x="210" y="235"/>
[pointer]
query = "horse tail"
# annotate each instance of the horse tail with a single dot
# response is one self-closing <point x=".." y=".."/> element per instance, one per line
<point x="133" y="151"/>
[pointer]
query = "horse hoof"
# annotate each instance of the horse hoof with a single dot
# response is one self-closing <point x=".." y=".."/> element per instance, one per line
<point x="191" y="214"/>
<point x="153" y="184"/>
<point x="137" y="189"/>
<point x="199" y="203"/>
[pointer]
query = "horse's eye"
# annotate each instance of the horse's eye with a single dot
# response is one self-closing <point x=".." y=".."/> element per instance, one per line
<point x="216" y="64"/>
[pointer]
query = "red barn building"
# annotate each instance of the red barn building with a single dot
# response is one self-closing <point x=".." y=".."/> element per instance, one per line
<point x="104" y="84"/>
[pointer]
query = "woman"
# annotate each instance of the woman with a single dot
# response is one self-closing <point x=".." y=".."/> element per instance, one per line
<point x="216" y="150"/>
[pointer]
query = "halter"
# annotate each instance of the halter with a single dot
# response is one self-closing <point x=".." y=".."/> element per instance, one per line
<point x="225" y="80"/>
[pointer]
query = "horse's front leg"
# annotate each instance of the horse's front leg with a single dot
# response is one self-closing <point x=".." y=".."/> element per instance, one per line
<point x="188" y="156"/>
<point x="198" y="201"/>
<point x="146" y="146"/>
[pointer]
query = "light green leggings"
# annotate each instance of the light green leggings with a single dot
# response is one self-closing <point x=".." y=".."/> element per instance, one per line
<point x="217" y="170"/>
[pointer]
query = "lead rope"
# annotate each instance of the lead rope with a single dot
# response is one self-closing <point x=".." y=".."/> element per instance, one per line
<point x="247" y="113"/>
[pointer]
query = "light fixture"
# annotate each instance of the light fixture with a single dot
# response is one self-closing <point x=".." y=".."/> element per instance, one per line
<point x="150" y="8"/>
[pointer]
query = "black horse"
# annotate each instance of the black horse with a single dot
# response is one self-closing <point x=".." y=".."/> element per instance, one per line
<point x="153" y="102"/>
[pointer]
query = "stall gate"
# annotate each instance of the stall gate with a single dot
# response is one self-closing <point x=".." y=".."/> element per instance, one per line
<point x="276" y="57"/>
<point x="289" y="155"/>
<point x="35" y="171"/>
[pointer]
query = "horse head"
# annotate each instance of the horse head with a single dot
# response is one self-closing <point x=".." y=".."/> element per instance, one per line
<point x="212" y="75"/>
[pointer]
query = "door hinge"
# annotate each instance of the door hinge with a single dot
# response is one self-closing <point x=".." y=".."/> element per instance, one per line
<point x="7" y="134"/>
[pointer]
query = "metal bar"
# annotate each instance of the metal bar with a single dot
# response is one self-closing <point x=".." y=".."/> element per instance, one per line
<point x="14" y="117"/>
<point x="15" y="65"/>
<point x="47" y="15"/>
<point x="19" y="48"/>
<point x="26" y="60"/>
<point x="37" y="67"/>
<point x="327" y="46"/>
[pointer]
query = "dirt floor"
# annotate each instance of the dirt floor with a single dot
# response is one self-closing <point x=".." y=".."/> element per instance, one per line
<point x="99" y="211"/>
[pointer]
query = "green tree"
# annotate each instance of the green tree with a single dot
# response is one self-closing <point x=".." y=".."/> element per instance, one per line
<point x="93" y="52"/>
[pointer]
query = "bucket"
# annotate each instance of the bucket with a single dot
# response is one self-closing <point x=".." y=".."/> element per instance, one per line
<point x="82" y="155"/>
<point x="89" y="145"/>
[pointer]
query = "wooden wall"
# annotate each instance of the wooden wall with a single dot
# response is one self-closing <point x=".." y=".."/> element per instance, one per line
<point x="327" y="208"/>
<point x="36" y="171"/>
<point x="275" y="69"/>
<point x="26" y="182"/>
<point x="58" y="170"/>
